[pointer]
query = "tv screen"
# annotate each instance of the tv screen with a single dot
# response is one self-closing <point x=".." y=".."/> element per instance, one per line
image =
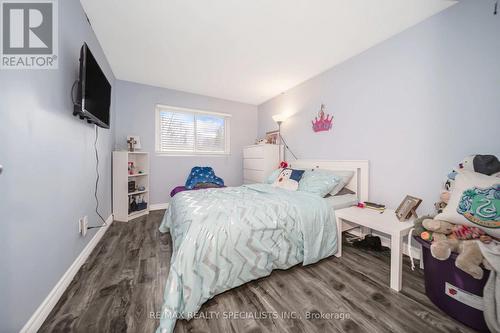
<point x="94" y="91"/>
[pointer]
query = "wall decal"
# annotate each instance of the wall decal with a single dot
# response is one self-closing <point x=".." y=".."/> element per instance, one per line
<point x="323" y="123"/>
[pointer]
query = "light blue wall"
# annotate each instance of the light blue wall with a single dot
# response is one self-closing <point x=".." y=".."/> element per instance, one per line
<point x="414" y="105"/>
<point x="49" y="173"/>
<point x="135" y="105"/>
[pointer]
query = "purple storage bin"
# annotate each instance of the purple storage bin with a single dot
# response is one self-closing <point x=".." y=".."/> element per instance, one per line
<point x="452" y="290"/>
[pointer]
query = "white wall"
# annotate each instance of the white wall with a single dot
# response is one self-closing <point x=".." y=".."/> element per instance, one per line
<point x="49" y="173"/>
<point x="414" y="105"/>
<point x="135" y="105"/>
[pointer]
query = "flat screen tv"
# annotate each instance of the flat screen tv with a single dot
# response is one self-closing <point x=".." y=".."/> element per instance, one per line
<point x="94" y="91"/>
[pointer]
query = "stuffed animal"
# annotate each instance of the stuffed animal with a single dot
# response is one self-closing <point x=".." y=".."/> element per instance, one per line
<point x="261" y="141"/>
<point x="447" y="238"/>
<point x="469" y="256"/>
<point x="438" y="226"/>
<point x="485" y="164"/>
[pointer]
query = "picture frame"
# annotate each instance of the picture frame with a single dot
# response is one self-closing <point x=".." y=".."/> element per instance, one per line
<point x="272" y="137"/>
<point x="407" y="208"/>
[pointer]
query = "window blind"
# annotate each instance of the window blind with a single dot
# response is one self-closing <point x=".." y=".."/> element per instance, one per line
<point x="191" y="132"/>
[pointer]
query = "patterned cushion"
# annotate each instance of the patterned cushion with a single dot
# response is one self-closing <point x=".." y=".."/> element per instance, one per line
<point x="474" y="201"/>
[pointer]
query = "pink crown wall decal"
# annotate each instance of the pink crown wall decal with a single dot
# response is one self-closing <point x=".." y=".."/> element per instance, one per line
<point x="324" y="123"/>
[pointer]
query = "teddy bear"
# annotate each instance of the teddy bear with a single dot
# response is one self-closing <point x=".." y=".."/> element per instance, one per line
<point x="456" y="238"/>
<point x="435" y="230"/>
<point x="469" y="256"/>
<point x="417" y="225"/>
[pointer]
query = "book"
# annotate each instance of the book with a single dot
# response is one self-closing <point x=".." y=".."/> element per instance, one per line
<point x="377" y="209"/>
<point x="374" y="205"/>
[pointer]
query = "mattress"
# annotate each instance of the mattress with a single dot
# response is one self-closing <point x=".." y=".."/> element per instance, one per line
<point x="342" y="201"/>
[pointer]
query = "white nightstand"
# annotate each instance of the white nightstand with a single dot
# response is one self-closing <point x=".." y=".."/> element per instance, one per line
<point x="386" y="223"/>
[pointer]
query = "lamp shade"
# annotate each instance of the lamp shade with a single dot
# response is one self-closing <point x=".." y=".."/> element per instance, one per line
<point x="279" y="118"/>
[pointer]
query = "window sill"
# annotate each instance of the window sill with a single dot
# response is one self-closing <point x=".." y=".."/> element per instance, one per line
<point x="190" y="154"/>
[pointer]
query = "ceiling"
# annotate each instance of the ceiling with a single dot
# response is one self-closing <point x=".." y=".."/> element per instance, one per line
<point x="248" y="50"/>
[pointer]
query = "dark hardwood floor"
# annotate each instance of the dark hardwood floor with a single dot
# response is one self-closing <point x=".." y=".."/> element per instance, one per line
<point x="120" y="287"/>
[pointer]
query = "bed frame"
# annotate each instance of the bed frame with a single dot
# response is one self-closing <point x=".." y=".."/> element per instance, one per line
<point x="358" y="184"/>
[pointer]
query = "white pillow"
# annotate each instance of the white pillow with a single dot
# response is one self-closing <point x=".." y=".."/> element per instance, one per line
<point x="346" y="178"/>
<point x="474" y="201"/>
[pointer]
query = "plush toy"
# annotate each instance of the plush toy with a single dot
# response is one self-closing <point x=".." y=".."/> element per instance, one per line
<point x="435" y="230"/>
<point x="485" y="164"/>
<point x="447" y="238"/>
<point x="432" y="236"/>
<point x="261" y="141"/>
<point x="425" y="234"/>
<point x="469" y="256"/>
<point x="438" y="226"/>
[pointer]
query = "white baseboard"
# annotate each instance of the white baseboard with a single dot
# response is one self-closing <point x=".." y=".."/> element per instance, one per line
<point x="159" y="206"/>
<point x="37" y="319"/>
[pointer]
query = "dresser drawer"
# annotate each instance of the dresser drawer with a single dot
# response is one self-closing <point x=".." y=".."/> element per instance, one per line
<point x="256" y="176"/>
<point x="254" y="152"/>
<point x="254" y="164"/>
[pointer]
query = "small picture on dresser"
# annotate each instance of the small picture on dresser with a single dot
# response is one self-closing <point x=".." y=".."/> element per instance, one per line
<point x="272" y="137"/>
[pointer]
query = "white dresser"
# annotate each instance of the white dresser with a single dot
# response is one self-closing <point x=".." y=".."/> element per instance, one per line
<point x="258" y="162"/>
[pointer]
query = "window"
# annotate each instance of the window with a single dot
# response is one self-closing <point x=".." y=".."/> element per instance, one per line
<point x="185" y="132"/>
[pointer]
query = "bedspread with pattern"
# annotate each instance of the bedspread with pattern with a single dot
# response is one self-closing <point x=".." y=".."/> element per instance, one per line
<point x="223" y="238"/>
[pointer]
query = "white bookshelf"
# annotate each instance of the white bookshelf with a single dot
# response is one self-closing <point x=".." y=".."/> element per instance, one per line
<point x="121" y="177"/>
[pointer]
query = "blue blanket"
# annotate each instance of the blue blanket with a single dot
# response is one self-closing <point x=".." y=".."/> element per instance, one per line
<point x="202" y="175"/>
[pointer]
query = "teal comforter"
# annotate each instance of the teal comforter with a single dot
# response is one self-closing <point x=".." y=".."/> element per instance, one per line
<point x="223" y="238"/>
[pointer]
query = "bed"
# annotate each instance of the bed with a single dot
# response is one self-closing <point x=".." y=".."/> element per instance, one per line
<point x="225" y="237"/>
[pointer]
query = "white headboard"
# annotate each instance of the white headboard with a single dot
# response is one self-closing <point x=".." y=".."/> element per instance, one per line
<point x="359" y="182"/>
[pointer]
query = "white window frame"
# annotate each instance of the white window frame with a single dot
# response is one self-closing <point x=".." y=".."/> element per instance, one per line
<point x="227" y="131"/>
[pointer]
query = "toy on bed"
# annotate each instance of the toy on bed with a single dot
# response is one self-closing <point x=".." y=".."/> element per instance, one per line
<point x="199" y="178"/>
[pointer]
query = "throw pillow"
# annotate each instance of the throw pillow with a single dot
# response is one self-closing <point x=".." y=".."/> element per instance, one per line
<point x="289" y="179"/>
<point x="474" y="201"/>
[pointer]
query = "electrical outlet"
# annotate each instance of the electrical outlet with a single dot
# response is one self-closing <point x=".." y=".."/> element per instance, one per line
<point x="83" y="225"/>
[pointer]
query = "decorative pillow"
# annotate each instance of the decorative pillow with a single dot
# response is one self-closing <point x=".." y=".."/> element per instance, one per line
<point x="345" y="176"/>
<point x="289" y="179"/>
<point x="318" y="181"/>
<point x="273" y="176"/>
<point x="474" y="201"/>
